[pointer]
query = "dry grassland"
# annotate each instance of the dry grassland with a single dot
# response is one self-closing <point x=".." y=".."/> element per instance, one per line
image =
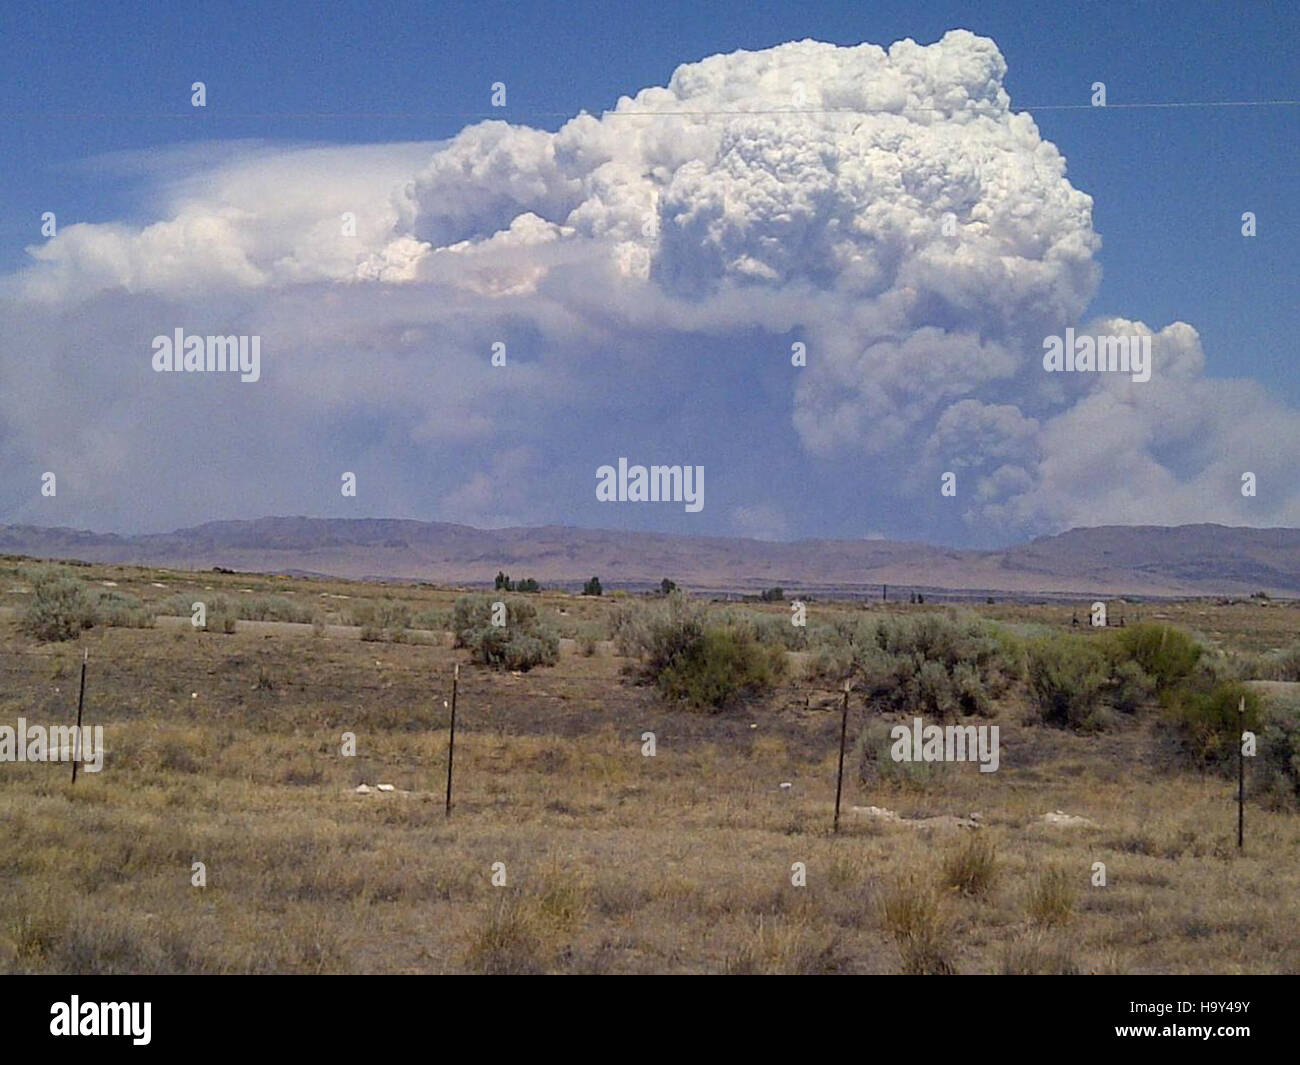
<point x="225" y="750"/>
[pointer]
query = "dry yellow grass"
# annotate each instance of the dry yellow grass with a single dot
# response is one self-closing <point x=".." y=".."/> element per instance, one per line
<point x="225" y="750"/>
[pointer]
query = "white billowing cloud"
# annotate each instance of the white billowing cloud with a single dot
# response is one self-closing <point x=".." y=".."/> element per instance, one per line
<point x="993" y="448"/>
<point x="264" y="218"/>
<point x="486" y="176"/>
<point x="886" y="207"/>
<point x="479" y="500"/>
<point x="1168" y="451"/>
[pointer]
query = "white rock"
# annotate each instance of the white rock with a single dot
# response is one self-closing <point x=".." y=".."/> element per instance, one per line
<point x="361" y="789"/>
<point x="786" y="785"/>
<point x="878" y="812"/>
<point x="386" y="787"/>
<point x="1064" y="820"/>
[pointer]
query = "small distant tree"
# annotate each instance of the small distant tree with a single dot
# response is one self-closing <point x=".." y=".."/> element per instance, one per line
<point x="592" y="587"/>
<point x="773" y="595"/>
<point x="503" y="583"/>
<point x="528" y="584"/>
<point x="667" y="587"/>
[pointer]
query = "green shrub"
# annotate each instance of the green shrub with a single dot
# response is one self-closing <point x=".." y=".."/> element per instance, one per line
<point x="702" y="664"/>
<point x="384" y="619"/>
<point x="59" y="609"/>
<point x="520" y="644"/>
<point x="1283" y="664"/>
<point x="272" y="608"/>
<point x="1074" y="678"/>
<point x="933" y="664"/>
<point x="592" y="587"/>
<point x="574" y="627"/>
<point x="1216" y="664"/>
<point x="1130" y="687"/>
<point x="719" y="667"/>
<point x="765" y="628"/>
<point x="1288" y="663"/>
<point x="178" y="604"/>
<point x="1204" y="728"/>
<point x="953" y="640"/>
<point x="969" y="690"/>
<point x="936" y="637"/>
<point x="932" y="691"/>
<point x="121" y="611"/>
<point x="895" y="661"/>
<point x="432" y="618"/>
<point x="1275" y="777"/>
<point x="1067" y="679"/>
<point x="254" y="608"/>
<point x="629" y="628"/>
<point x="832" y="661"/>
<point x="1167" y="655"/>
<point x="657" y="634"/>
<point x="221" y="614"/>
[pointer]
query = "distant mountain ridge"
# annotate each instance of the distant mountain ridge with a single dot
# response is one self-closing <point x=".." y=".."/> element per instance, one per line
<point x="1190" y="560"/>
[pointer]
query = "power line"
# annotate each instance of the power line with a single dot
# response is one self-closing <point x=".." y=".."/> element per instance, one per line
<point x="516" y="115"/>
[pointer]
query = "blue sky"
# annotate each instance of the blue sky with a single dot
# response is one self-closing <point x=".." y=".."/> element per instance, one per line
<point x="94" y="94"/>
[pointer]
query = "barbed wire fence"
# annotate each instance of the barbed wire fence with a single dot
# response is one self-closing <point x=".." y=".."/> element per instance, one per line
<point x="21" y="668"/>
